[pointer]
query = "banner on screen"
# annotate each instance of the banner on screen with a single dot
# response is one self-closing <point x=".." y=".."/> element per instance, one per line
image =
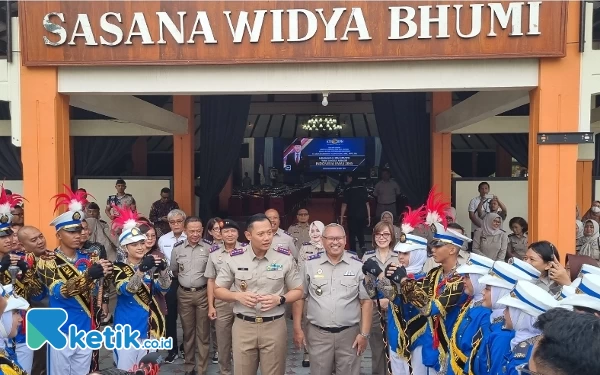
<point x="324" y="155"/>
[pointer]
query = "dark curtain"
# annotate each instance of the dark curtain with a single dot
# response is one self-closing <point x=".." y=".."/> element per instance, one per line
<point x="462" y="164"/>
<point x="98" y="156"/>
<point x="259" y="159"/>
<point x="223" y="120"/>
<point x="403" y="125"/>
<point x="278" y="145"/>
<point x="516" y="144"/>
<point x="10" y="157"/>
<point x="370" y="151"/>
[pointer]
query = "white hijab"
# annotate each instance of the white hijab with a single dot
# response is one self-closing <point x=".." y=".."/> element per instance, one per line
<point x="6" y="322"/>
<point x="497" y="309"/>
<point x="477" y="287"/>
<point x="320" y="227"/>
<point x="522" y="325"/>
<point x="417" y="261"/>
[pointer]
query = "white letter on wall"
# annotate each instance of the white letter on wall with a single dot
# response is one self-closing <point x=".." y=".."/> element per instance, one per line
<point x="294" y="25"/>
<point x="54" y="29"/>
<point x="242" y="25"/>
<point x="202" y="19"/>
<point x="140" y="21"/>
<point x="361" y="25"/>
<point x="475" y="20"/>
<point x="331" y="25"/>
<point x="442" y="21"/>
<point x="86" y="31"/>
<point x="534" y="18"/>
<point x="277" y="26"/>
<point x="111" y="29"/>
<point x="497" y="12"/>
<point x="396" y="21"/>
<point x="165" y="21"/>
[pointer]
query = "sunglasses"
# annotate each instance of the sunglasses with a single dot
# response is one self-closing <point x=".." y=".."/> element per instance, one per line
<point x="524" y="370"/>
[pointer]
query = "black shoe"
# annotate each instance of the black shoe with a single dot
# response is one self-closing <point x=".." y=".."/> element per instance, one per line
<point x="171" y="357"/>
<point x="215" y="358"/>
<point x="193" y="372"/>
<point x="181" y="352"/>
<point x="305" y="361"/>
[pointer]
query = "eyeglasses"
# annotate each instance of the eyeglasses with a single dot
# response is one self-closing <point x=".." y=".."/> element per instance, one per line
<point x="217" y="229"/>
<point x="175" y="222"/>
<point x="303" y="214"/>
<point x="334" y="239"/>
<point x="383" y="235"/>
<point x="524" y="370"/>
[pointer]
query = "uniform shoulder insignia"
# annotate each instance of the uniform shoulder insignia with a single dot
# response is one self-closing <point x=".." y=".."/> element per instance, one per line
<point x="283" y="250"/>
<point x="314" y="256"/>
<point x="209" y="242"/>
<point x="236" y="252"/>
<point x="455" y="278"/>
<point x="370" y="252"/>
<point x="214" y="248"/>
<point x="288" y="233"/>
<point x="356" y="258"/>
<point x="520" y="351"/>
<point x="305" y="243"/>
<point x="351" y="252"/>
<point x="511" y="235"/>
<point x="177" y="243"/>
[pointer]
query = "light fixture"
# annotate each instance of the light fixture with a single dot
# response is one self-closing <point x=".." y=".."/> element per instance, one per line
<point x="325" y="102"/>
<point x="323" y="124"/>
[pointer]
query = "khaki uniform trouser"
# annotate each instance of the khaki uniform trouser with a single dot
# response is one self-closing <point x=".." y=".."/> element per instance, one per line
<point x="378" y="361"/>
<point x="223" y="327"/>
<point x="260" y="343"/>
<point x="335" y="352"/>
<point x="193" y="311"/>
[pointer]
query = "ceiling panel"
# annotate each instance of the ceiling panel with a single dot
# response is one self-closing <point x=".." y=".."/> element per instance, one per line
<point x="289" y="126"/>
<point x="250" y="126"/>
<point x="360" y="127"/>
<point x="275" y="126"/>
<point x="260" y="127"/>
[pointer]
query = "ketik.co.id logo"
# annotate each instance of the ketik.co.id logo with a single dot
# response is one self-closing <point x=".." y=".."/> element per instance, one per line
<point x="43" y="326"/>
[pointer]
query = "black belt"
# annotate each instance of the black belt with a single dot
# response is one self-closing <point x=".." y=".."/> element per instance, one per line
<point x="193" y="289"/>
<point x="258" y="319"/>
<point x="332" y="329"/>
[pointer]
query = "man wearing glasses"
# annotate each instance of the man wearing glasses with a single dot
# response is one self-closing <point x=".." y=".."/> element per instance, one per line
<point x="299" y="230"/>
<point x="166" y="244"/>
<point x="339" y="308"/>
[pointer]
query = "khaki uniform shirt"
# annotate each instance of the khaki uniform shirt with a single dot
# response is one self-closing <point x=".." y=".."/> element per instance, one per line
<point x="190" y="262"/>
<point x="517" y="246"/>
<point x="244" y="272"/>
<point x="307" y="250"/>
<point x="300" y="233"/>
<point x="382" y="262"/>
<point x="386" y="191"/>
<point x="333" y="291"/>
<point x="283" y="239"/>
<point x="218" y="258"/>
<point x="493" y="247"/>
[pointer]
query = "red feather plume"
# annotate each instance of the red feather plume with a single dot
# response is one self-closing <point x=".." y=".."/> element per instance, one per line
<point x="125" y="219"/>
<point x="413" y="218"/>
<point x="75" y="201"/>
<point x="436" y="208"/>
<point x="9" y="201"/>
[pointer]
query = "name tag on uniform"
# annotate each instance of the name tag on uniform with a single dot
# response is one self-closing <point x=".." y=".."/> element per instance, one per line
<point x="274" y="267"/>
<point x="242" y="269"/>
<point x="349" y="273"/>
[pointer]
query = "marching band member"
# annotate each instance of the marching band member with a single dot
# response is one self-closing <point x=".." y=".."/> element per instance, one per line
<point x="18" y="268"/>
<point x="473" y="318"/>
<point x="71" y="276"/>
<point x="440" y="294"/>
<point x="524" y="303"/>
<point x="10" y="322"/>
<point x="137" y="288"/>
<point x="585" y="297"/>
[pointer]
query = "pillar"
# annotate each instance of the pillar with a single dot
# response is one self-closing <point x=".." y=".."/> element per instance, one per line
<point x="554" y="107"/>
<point x="183" y="157"/>
<point x="503" y="162"/>
<point x="46" y="146"/>
<point x="441" y="147"/>
<point x="584" y="185"/>
<point x="139" y="156"/>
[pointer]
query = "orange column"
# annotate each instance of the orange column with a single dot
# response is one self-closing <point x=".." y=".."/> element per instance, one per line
<point x="552" y="168"/>
<point x="584" y="185"/>
<point x="183" y="157"/>
<point x="441" y="147"/>
<point x="46" y="145"/>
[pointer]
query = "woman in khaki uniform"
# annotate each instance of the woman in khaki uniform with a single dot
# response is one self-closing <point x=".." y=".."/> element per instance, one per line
<point x="308" y="249"/>
<point x="384" y="240"/>
<point x="517" y="240"/>
<point x="489" y="240"/>
<point x="589" y="244"/>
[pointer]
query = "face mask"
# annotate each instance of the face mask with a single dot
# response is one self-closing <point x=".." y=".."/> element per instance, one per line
<point x="595" y="209"/>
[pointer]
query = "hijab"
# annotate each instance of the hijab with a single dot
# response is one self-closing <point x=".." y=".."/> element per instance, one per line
<point x="497" y="309"/>
<point x="579" y="224"/>
<point x="588" y="243"/>
<point x="387" y="213"/>
<point x="6" y="322"/>
<point x="487" y="224"/>
<point x="416" y="261"/>
<point x="522" y="325"/>
<point x="577" y="261"/>
<point x="320" y="227"/>
<point x="477" y="287"/>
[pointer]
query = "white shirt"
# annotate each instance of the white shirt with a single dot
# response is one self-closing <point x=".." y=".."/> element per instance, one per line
<point x="473" y="208"/>
<point x="166" y="242"/>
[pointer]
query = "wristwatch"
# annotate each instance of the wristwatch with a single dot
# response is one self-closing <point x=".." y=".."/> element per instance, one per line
<point x="366" y="335"/>
<point x="281" y="300"/>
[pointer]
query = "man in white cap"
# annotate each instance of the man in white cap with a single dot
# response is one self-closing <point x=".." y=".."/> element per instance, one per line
<point x="586" y="296"/>
<point x="474" y="318"/>
<point x="71" y="277"/>
<point x="524" y="304"/>
<point x="495" y="343"/>
<point x="440" y="295"/>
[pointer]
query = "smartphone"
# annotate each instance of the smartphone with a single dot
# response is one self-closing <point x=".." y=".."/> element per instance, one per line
<point x="489" y="196"/>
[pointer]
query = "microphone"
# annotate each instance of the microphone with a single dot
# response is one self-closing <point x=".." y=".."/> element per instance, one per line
<point x="13" y="271"/>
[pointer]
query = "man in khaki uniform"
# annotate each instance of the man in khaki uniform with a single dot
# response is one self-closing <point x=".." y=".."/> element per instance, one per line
<point x="257" y="276"/>
<point x="337" y="304"/>
<point x="220" y="311"/>
<point x="299" y="230"/>
<point x="188" y="264"/>
<point x="281" y="238"/>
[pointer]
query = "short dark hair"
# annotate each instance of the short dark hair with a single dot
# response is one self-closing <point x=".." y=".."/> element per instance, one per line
<point x="93" y="206"/>
<point x="8" y="191"/>
<point x="569" y="342"/>
<point x="191" y="219"/>
<point x="481" y="185"/>
<point x="519" y="220"/>
<point x="82" y="189"/>
<point x="456" y="226"/>
<point x="120" y="181"/>
<point x="254" y="219"/>
<point x="545" y="250"/>
<point x="165" y="190"/>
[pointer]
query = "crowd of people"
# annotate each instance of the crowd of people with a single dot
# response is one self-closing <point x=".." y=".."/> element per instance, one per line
<point x="426" y="299"/>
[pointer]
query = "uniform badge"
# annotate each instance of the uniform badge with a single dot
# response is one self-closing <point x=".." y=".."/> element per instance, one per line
<point x="207" y="241"/>
<point x="214" y="248"/>
<point x="319" y="271"/>
<point x="318" y="291"/>
<point x="282" y="250"/>
<point x="314" y="256"/>
<point x="349" y="273"/>
<point x="402" y="238"/>
<point x="220" y="258"/>
<point x="181" y="268"/>
<point x="77" y="216"/>
<point x="236" y="252"/>
<point x="433" y="229"/>
<point x="4" y="219"/>
<point x="274" y="267"/>
<point x="243" y="286"/>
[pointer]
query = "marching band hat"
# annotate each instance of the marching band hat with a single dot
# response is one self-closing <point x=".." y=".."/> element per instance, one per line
<point x="504" y="275"/>
<point x="443" y="236"/>
<point x="70" y="221"/>
<point x="7" y="203"/>
<point x="525" y="267"/>
<point x="437" y="208"/>
<point x="568" y="290"/>
<point x="589" y="269"/>
<point x="587" y="294"/>
<point x="476" y="264"/>
<point x="127" y="222"/>
<point x="408" y="242"/>
<point x="529" y="298"/>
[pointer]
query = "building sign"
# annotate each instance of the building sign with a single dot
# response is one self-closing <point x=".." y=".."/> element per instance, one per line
<point x="227" y="32"/>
